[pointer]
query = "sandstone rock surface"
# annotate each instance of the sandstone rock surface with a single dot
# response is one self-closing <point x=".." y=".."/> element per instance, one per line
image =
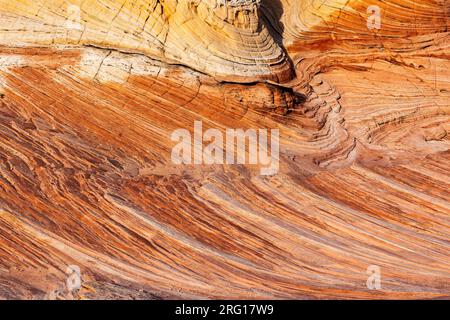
<point x="90" y="92"/>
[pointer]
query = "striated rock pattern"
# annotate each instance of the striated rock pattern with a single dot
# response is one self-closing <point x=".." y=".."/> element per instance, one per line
<point x="188" y="32"/>
<point x="90" y="92"/>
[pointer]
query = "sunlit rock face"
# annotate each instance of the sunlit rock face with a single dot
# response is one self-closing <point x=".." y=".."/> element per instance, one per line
<point x="91" y="92"/>
<point x="240" y="14"/>
<point x="226" y="39"/>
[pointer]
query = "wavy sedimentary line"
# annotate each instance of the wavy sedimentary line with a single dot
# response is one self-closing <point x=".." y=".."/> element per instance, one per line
<point x="336" y="20"/>
<point x="69" y="252"/>
<point x="245" y="108"/>
<point x="291" y="250"/>
<point x="353" y="67"/>
<point x="85" y="160"/>
<point x="185" y="32"/>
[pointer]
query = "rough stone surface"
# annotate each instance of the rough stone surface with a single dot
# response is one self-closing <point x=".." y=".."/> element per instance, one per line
<point x="88" y="104"/>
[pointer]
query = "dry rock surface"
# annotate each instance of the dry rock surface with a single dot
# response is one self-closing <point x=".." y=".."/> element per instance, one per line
<point x="91" y="91"/>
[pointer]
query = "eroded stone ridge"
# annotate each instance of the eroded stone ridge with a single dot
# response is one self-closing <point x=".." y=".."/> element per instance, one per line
<point x="91" y="91"/>
<point x="226" y="39"/>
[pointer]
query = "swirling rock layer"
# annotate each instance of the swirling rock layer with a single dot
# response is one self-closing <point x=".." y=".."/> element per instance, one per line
<point x="86" y="177"/>
<point x="228" y="41"/>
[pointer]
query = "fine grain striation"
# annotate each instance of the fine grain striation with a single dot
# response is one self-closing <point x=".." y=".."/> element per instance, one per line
<point x="90" y="92"/>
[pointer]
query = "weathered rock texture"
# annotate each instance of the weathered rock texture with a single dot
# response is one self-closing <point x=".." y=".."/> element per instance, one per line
<point x="88" y="104"/>
<point x="229" y="41"/>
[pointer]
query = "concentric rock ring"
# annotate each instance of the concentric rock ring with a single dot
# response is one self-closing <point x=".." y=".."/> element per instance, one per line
<point x="225" y="39"/>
